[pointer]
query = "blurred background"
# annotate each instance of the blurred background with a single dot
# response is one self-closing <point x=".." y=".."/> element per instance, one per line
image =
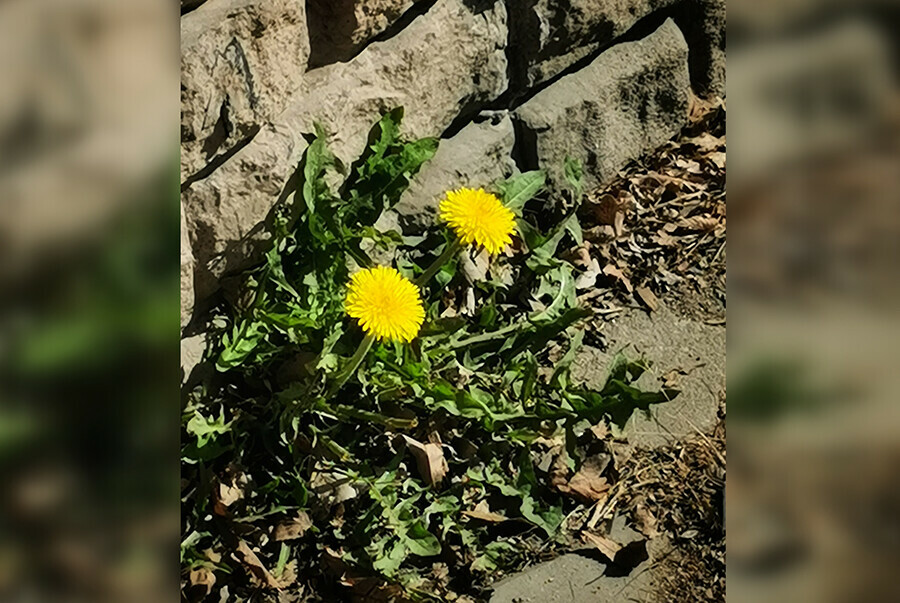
<point x="813" y="490"/>
<point x="89" y="310"/>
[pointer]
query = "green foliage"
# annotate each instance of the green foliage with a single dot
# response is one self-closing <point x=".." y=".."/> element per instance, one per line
<point x="478" y="378"/>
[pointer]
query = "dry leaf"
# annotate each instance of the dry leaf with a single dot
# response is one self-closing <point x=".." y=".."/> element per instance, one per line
<point x="587" y="484"/>
<point x="664" y="239"/>
<point x="231" y="490"/>
<point x="605" y="210"/>
<point x="699" y="223"/>
<point x="203" y="579"/>
<point x="706" y="142"/>
<point x="689" y="165"/>
<point x="718" y="158"/>
<point x="600" y="431"/>
<point x="429" y="459"/>
<point x="648" y="298"/>
<point x="591" y="488"/>
<point x="645" y="522"/>
<point x="607" y="547"/>
<point x="254" y="566"/>
<point x="230" y="494"/>
<point x="588" y="278"/>
<point x="614" y="271"/>
<point x="483" y="512"/>
<point x="332" y="488"/>
<point x="293" y="529"/>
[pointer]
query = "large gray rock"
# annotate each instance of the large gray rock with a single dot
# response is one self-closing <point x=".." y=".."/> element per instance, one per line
<point x="703" y="24"/>
<point x="548" y="36"/>
<point x="479" y="155"/>
<point x="240" y="62"/>
<point x="670" y="341"/>
<point x="446" y="62"/>
<point x="631" y="99"/>
<point x="187" y="273"/>
<point x="339" y="28"/>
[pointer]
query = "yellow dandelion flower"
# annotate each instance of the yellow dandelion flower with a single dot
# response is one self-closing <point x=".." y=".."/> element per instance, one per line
<point x="479" y="217"/>
<point x="385" y="303"/>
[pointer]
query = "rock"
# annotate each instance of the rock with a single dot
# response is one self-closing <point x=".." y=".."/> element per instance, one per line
<point x="631" y="99"/>
<point x="703" y="25"/>
<point x="187" y="274"/>
<point x="427" y="68"/>
<point x="480" y="154"/>
<point x="548" y="36"/>
<point x="226" y="211"/>
<point x="240" y="62"/>
<point x="670" y="341"/>
<point x="192" y="351"/>
<point x="339" y="28"/>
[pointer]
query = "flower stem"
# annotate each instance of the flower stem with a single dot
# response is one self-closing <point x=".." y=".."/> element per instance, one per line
<point x="451" y="250"/>
<point x="351" y="366"/>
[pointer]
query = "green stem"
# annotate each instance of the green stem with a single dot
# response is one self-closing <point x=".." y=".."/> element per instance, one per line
<point x="511" y="328"/>
<point x="342" y="411"/>
<point x="451" y="250"/>
<point x="351" y="366"/>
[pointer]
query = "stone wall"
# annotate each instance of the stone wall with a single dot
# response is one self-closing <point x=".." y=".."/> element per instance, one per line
<point x="507" y="84"/>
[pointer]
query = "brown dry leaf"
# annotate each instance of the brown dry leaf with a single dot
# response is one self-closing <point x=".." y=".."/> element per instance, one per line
<point x="664" y="239"/>
<point x="605" y="210"/>
<point x="645" y="522"/>
<point x="483" y="512"/>
<point x="245" y="555"/>
<point x="672" y="379"/>
<point x="230" y="494"/>
<point x="718" y="158"/>
<point x="619" y="224"/>
<point x="429" y="459"/>
<point x="203" y="579"/>
<point x="591" y="488"/>
<point x="600" y="431"/>
<point x="587" y="484"/>
<point x="293" y="529"/>
<point x="689" y="165"/>
<point x="648" y="298"/>
<point x="706" y="142"/>
<point x="699" y="223"/>
<point x="606" y="546"/>
<point x="615" y="272"/>
<point x="231" y="489"/>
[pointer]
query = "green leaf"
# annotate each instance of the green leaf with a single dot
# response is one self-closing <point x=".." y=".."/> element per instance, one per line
<point x="574" y="174"/>
<point x="543" y="256"/>
<point x="207" y="428"/>
<point x="548" y="520"/>
<point x="564" y="296"/>
<point x="389" y="563"/>
<point x="382" y="173"/>
<point x="516" y="191"/>
<point x="560" y="377"/>
<point x="420" y="541"/>
<point x="243" y="341"/>
<point x="493" y="556"/>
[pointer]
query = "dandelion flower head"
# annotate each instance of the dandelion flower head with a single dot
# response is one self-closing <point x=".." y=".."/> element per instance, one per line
<point x="478" y="217"/>
<point x="385" y="304"/>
